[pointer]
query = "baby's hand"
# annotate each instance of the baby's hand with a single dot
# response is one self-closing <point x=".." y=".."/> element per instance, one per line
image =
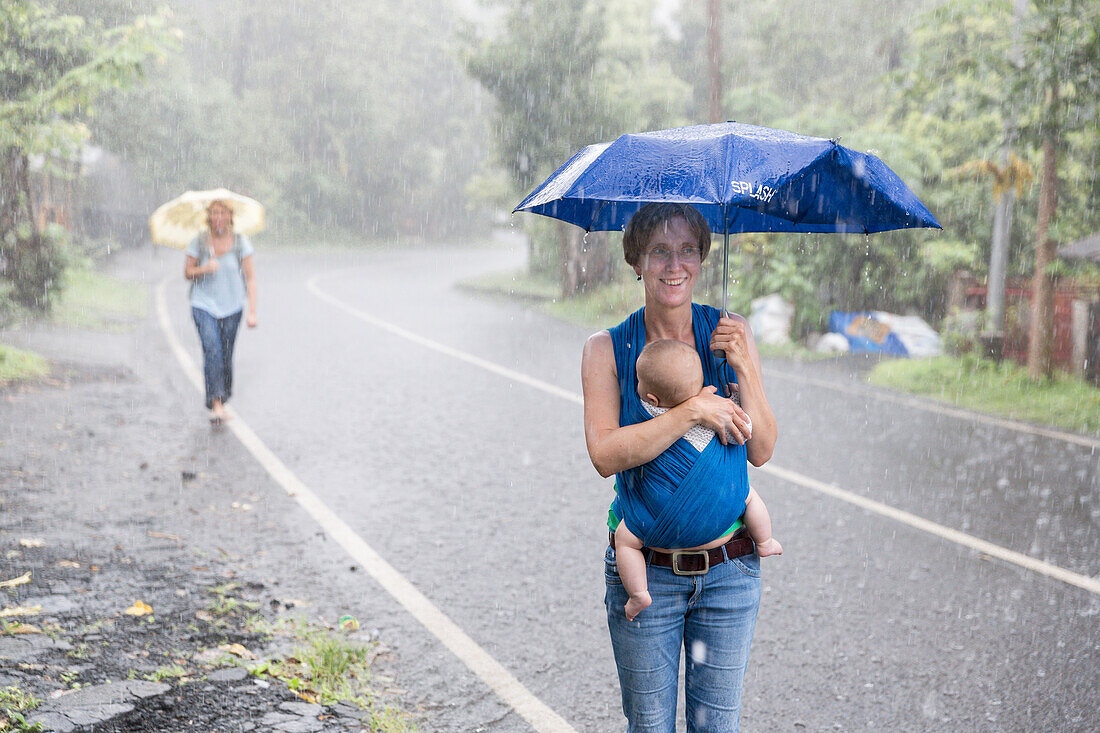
<point x="741" y="433"/>
<point x="733" y="390"/>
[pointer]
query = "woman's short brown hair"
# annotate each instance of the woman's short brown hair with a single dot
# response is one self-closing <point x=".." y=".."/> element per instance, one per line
<point x="645" y="221"/>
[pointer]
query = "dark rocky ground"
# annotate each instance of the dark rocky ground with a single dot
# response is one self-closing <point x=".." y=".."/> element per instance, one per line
<point x="112" y="491"/>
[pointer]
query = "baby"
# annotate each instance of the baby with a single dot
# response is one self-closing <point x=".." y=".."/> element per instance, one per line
<point x="669" y="373"/>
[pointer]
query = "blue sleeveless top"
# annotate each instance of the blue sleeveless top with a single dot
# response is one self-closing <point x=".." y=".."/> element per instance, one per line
<point x="682" y="498"/>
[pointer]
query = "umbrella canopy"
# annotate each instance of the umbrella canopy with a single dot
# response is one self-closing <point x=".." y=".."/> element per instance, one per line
<point x="176" y="223"/>
<point x="742" y="178"/>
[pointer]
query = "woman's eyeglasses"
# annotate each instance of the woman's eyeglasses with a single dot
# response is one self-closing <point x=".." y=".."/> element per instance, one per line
<point x="663" y="255"/>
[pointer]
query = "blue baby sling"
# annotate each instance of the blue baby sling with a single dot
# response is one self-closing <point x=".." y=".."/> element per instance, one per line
<point x="682" y="498"/>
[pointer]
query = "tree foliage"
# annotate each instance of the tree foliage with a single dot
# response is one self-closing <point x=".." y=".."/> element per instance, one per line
<point x="334" y="114"/>
<point x="53" y="69"/>
<point x="565" y="74"/>
<point x="942" y="86"/>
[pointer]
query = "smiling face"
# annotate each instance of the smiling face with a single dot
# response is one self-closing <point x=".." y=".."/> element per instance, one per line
<point x="669" y="264"/>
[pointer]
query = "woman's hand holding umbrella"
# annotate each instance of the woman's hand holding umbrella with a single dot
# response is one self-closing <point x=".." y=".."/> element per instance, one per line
<point x="730" y="337"/>
<point x="212" y="263"/>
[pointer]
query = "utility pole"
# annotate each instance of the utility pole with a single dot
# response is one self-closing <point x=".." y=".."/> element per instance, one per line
<point x="994" y="335"/>
<point x="714" y="61"/>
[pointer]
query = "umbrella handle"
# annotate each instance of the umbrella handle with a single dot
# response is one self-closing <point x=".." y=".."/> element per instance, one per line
<point x="719" y="353"/>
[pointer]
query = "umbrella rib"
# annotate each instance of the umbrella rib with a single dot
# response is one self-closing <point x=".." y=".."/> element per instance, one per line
<point x="596" y="218"/>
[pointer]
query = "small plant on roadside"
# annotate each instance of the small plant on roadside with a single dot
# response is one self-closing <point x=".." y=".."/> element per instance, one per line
<point x="327" y="669"/>
<point x="169" y="672"/>
<point x="332" y="663"/>
<point x="81" y="651"/>
<point x="94" y="627"/>
<point x="13" y="628"/>
<point x="225" y="604"/>
<point x="229" y="606"/>
<point x="13" y="703"/>
<point x="224" y="589"/>
<point x="389" y="720"/>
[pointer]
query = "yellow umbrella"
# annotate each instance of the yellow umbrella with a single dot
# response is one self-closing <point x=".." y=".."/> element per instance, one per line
<point x="176" y="223"/>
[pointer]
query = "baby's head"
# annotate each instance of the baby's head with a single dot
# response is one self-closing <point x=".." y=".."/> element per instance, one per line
<point x="669" y="372"/>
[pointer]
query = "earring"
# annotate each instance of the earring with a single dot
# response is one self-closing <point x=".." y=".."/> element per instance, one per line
<point x="639" y="277"/>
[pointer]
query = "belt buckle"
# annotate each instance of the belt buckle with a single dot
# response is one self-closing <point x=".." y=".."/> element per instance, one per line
<point x="682" y="553"/>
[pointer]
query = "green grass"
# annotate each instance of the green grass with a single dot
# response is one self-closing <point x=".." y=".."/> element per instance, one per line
<point x="17" y="365"/>
<point x="327" y="668"/>
<point x="289" y="239"/>
<point x="514" y="284"/>
<point x="98" y="302"/>
<point x="225" y="604"/>
<point x="792" y="352"/>
<point x="601" y="308"/>
<point x="168" y="672"/>
<point x="1002" y="389"/>
<point x="13" y="703"/>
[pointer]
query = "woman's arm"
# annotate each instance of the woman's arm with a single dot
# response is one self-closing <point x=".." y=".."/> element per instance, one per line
<point x="734" y="336"/>
<point x="192" y="271"/>
<point x="249" y="272"/>
<point x="613" y="448"/>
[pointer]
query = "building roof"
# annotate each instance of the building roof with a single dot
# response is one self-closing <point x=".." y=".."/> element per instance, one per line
<point x="1083" y="249"/>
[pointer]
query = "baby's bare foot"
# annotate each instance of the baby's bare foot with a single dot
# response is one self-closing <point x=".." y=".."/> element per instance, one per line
<point x="769" y="547"/>
<point x="637" y="603"/>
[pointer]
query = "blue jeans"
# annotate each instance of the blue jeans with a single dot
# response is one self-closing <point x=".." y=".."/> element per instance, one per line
<point x="712" y="616"/>
<point x="217" y="336"/>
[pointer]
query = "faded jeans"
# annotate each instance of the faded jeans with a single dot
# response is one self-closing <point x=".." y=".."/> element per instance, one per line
<point x="712" y="616"/>
<point x="217" y="336"/>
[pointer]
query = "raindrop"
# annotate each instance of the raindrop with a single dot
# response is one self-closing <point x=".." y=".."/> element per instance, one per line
<point x="698" y="652"/>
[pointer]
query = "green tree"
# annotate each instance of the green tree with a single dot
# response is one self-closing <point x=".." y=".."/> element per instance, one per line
<point x="565" y="74"/>
<point x="53" y="70"/>
<point x="362" y="120"/>
<point x="1060" y="76"/>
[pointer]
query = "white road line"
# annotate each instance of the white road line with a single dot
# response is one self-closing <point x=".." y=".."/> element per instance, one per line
<point x="1044" y="568"/>
<point x="500" y="680"/>
<point x="489" y="366"/>
<point x="1016" y="558"/>
<point x="930" y="406"/>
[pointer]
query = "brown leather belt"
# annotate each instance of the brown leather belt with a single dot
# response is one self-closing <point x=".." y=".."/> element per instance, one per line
<point x="698" y="562"/>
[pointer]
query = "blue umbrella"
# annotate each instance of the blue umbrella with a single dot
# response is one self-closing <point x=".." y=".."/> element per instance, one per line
<point x="742" y="178"/>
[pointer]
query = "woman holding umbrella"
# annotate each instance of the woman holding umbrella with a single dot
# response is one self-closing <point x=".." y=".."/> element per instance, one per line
<point x="219" y="266"/>
<point x="706" y="593"/>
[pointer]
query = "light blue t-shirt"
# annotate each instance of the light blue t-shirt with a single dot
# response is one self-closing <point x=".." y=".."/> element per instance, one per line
<point x="223" y="293"/>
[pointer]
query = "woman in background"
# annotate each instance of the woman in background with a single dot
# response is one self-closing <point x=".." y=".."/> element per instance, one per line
<point x="219" y="266"/>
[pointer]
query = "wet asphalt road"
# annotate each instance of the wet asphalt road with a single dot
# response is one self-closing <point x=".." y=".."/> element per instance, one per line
<point x="480" y="492"/>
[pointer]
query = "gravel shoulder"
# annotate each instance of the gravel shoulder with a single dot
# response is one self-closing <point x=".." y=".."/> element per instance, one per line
<point x="113" y="491"/>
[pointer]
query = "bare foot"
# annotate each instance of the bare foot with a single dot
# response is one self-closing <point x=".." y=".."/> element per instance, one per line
<point x="769" y="547"/>
<point x="637" y="603"/>
<point x="218" y="414"/>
